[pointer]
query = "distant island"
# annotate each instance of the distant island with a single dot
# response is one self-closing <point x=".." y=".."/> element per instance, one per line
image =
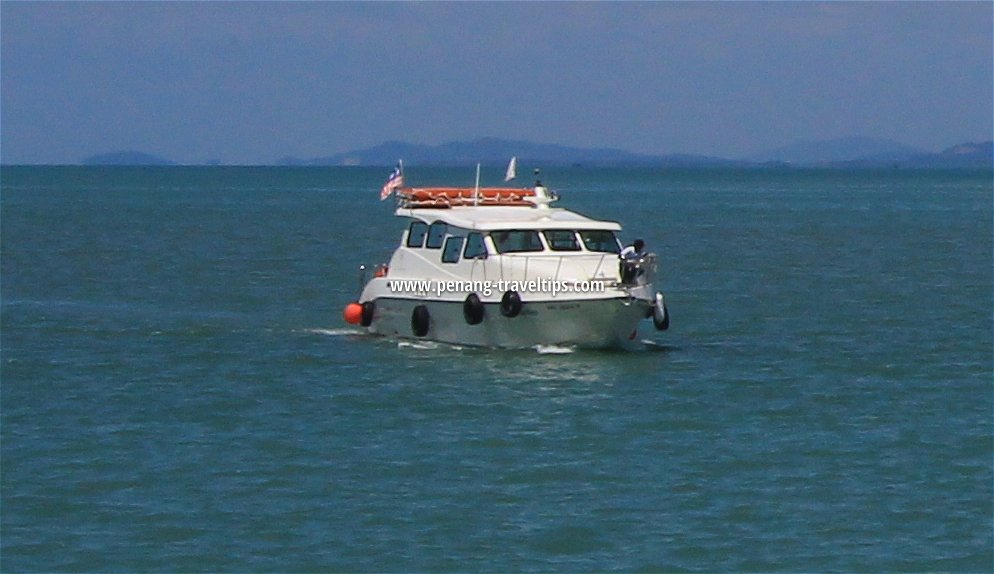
<point x="494" y="151"/>
<point x="842" y="153"/>
<point x="126" y="158"/>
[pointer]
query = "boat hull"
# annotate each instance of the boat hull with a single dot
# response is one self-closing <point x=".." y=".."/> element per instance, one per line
<point x="608" y="323"/>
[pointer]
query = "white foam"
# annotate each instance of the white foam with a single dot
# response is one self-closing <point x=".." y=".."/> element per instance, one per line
<point x="417" y="345"/>
<point x="650" y="345"/>
<point x="553" y="350"/>
<point x="334" y="332"/>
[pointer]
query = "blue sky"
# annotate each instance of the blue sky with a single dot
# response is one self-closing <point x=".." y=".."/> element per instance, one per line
<point x="249" y="83"/>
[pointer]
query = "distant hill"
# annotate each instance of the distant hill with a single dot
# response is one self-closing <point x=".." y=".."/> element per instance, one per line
<point x="974" y="155"/>
<point x="837" y="150"/>
<point x="494" y="151"/>
<point x="126" y="158"/>
<point x="962" y="156"/>
<point x="843" y="153"/>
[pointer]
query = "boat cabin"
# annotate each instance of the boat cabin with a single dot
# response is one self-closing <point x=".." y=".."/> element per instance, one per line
<point x="456" y="243"/>
<point x="478" y="232"/>
<point x="515" y="234"/>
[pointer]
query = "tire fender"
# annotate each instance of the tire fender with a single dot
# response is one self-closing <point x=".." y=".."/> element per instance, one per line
<point x="420" y="321"/>
<point x="660" y="314"/>
<point x="510" y="304"/>
<point x="368" y="308"/>
<point x="472" y="309"/>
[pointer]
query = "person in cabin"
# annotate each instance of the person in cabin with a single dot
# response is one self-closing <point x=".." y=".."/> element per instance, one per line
<point x="631" y="257"/>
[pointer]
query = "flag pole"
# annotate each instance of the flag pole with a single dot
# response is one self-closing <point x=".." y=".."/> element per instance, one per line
<point x="476" y="190"/>
<point x="400" y="164"/>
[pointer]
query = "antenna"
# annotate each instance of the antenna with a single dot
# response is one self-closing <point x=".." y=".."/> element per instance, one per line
<point x="476" y="190"/>
<point x="362" y="278"/>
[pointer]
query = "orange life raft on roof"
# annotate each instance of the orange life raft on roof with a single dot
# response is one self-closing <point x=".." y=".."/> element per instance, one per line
<point x="443" y="197"/>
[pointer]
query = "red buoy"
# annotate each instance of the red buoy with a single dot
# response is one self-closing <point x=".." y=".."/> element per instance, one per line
<point x="353" y="313"/>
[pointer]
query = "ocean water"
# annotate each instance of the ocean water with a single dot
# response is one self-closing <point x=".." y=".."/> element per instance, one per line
<point x="180" y="393"/>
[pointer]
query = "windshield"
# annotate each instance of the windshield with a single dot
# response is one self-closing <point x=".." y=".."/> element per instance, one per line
<point x="561" y="240"/>
<point x="516" y="241"/>
<point x="600" y="241"/>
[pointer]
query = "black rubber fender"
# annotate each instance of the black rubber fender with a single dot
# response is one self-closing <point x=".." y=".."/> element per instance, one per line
<point x="472" y="309"/>
<point x="420" y="321"/>
<point x="368" y="308"/>
<point x="661" y="323"/>
<point x="510" y="304"/>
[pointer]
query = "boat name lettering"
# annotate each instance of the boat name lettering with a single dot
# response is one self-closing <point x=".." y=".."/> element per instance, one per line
<point x="563" y="307"/>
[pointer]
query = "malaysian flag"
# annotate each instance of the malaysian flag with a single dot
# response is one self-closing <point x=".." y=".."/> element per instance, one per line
<point x="395" y="180"/>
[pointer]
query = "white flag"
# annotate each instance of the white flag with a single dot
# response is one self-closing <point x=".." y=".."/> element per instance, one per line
<point x="512" y="169"/>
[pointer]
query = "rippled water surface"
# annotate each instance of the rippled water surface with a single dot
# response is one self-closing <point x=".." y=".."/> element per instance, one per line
<point x="179" y="392"/>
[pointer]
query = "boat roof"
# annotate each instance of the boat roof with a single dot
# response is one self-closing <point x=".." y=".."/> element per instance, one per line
<point x="496" y="217"/>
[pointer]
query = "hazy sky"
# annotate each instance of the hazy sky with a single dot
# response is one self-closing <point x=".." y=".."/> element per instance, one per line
<point x="253" y="82"/>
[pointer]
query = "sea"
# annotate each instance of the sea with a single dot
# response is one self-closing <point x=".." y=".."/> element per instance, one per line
<point x="180" y="393"/>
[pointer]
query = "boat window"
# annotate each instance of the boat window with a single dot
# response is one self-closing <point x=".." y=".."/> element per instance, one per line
<point x="600" y="241"/>
<point x="416" y="234"/>
<point x="513" y="241"/>
<point x="475" y="247"/>
<point x="561" y="240"/>
<point x="453" y="245"/>
<point x="436" y="235"/>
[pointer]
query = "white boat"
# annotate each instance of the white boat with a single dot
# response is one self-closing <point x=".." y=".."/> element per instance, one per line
<point x="500" y="267"/>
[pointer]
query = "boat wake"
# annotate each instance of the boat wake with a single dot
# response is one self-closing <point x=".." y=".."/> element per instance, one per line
<point x="656" y="346"/>
<point x="427" y="345"/>
<point x="553" y="350"/>
<point x="335" y="332"/>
